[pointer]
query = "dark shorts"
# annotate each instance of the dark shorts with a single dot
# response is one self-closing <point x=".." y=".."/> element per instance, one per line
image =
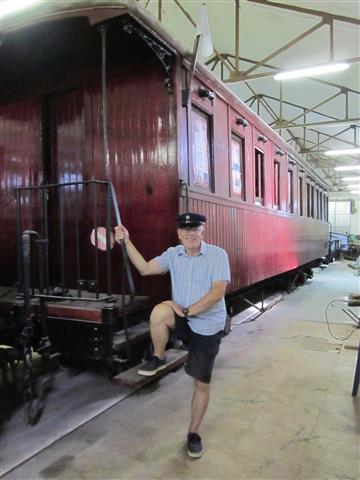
<point x="202" y="350"/>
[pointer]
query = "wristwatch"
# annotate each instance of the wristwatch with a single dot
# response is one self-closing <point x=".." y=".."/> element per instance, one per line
<point x="185" y="311"/>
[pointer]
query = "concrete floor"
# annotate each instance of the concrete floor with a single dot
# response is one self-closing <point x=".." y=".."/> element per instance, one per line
<point x="281" y="407"/>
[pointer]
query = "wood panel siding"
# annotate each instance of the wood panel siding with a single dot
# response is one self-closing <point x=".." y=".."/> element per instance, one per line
<point x="19" y="167"/>
<point x="260" y="243"/>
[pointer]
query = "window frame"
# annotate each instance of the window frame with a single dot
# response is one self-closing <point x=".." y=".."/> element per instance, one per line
<point x="234" y="135"/>
<point x="312" y="196"/>
<point x="259" y="176"/>
<point x="321" y="212"/>
<point x="308" y="199"/>
<point x="277" y="184"/>
<point x="301" y="196"/>
<point x="210" y="134"/>
<point x="290" y="191"/>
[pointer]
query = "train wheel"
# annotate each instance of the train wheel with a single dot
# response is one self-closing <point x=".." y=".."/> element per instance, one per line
<point x="301" y="277"/>
<point x="291" y="283"/>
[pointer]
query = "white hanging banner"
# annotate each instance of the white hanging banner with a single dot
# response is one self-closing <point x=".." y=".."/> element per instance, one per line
<point x="203" y="29"/>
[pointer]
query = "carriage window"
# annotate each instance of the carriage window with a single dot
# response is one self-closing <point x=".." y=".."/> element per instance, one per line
<point x="201" y="149"/>
<point x="308" y="199"/>
<point x="290" y="191"/>
<point x="326" y="207"/>
<point x="237" y="166"/>
<point x="276" y="184"/>
<point x="301" y="196"/>
<point x="321" y="216"/>
<point x="259" y="177"/>
<point x="312" y="202"/>
<point x="317" y="203"/>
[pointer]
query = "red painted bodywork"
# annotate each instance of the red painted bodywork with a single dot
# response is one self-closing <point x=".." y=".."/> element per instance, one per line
<point x="51" y="131"/>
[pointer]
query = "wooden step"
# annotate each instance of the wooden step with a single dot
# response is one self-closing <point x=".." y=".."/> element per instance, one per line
<point x="132" y="379"/>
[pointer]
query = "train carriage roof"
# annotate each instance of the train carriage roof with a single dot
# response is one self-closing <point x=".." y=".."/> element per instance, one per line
<point x="98" y="11"/>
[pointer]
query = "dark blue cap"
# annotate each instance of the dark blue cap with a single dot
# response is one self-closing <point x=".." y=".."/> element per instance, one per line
<point x="190" y="220"/>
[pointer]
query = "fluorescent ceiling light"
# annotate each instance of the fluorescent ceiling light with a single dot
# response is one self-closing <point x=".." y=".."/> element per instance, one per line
<point x="350" y="179"/>
<point x="348" y="168"/>
<point x="345" y="151"/>
<point x="353" y="185"/>
<point x="355" y="191"/>
<point x="8" y="7"/>
<point x="310" y="71"/>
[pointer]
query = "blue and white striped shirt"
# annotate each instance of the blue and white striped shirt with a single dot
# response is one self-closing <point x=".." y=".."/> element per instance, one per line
<point x="192" y="278"/>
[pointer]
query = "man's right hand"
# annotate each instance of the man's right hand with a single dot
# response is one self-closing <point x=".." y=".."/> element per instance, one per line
<point x="121" y="234"/>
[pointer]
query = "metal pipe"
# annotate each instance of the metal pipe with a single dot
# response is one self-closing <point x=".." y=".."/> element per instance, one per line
<point x="103" y="32"/>
<point x="45" y="193"/>
<point x="108" y="248"/>
<point x="286" y="47"/>
<point x="331" y="25"/>
<point x="18" y="229"/>
<point x="160" y="10"/>
<point x="281" y="102"/>
<point x="309" y="110"/>
<point x="26" y="267"/>
<point x="308" y="11"/>
<point x="237" y="34"/>
<point x="304" y="129"/>
<point x="77" y="239"/>
<point x="62" y="238"/>
<point x="123" y="248"/>
<point x="95" y="213"/>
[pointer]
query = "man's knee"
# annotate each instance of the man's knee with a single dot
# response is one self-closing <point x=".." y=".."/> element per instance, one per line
<point x="162" y="313"/>
<point x="201" y="387"/>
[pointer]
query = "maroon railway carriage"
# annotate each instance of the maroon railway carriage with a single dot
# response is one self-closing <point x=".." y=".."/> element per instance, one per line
<point x="97" y="93"/>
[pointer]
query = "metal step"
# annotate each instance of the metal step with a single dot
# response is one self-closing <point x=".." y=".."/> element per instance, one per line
<point x="131" y="378"/>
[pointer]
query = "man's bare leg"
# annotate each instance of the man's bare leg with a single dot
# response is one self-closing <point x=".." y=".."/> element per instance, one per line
<point x="199" y="403"/>
<point x="162" y="319"/>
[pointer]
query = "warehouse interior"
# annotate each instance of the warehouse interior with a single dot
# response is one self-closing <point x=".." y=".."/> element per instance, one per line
<point x="284" y="401"/>
<point x="280" y="408"/>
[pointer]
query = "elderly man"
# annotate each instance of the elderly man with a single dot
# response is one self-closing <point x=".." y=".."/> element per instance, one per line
<point x="199" y="276"/>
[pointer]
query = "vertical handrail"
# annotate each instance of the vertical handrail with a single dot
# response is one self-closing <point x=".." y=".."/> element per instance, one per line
<point x="19" y="246"/>
<point x="95" y="221"/>
<point x="108" y="249"/>
<point x="62" y="238"/>
<point x="77" y="238"/>
<point x="26" y="270"/>
<point x="126" y="263"/>
<point x="103" y="32"/>
<point x="45" y="194"/>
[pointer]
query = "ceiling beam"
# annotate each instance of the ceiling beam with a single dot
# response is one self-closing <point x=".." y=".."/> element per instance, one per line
<point x="227" y="56"/>
<point x="312" y="109"/>
<point x="309" y="11"/>
<point x="284" y="47"/>
<point x="239" y="76"/>
<point x="285" y="102"/>
<point x="317" y="124"/>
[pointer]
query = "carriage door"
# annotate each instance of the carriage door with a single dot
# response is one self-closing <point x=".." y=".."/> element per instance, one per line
<point x="64" y="161"/>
